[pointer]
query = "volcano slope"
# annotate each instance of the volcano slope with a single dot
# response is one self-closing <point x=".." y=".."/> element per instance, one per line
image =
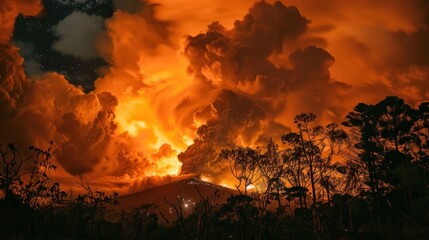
<point x="182" y="195"/>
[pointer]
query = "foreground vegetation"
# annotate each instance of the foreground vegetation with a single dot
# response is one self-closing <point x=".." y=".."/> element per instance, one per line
<point x="364" y="179"/>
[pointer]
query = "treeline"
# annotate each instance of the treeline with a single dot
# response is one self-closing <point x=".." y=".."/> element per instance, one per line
<point x="366" y="178"/>
<point x="32" y="206"/>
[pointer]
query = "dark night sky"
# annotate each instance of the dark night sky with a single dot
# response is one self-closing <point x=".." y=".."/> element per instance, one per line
<point x="62" y="40"/>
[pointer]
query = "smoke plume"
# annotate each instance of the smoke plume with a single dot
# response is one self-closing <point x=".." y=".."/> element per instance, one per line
<point x="175" y="94"/>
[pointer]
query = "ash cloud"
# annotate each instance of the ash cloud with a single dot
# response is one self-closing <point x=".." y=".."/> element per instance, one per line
<point x="239" y="83"/>
<point x="91" y="131"/>
<point x="376" y="54"/>
<point x="47" y="107"/>
<point x="12" y="77"/>
<point x="252" y="94"/>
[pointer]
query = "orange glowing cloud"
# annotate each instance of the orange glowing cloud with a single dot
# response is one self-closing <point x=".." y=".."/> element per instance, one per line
<point x="186" y="78"/>
<point x="9" y="10"/>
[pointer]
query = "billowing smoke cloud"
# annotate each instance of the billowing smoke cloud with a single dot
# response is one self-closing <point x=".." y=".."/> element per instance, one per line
<point x="375" y="51"/>
<point x="172" y="89"/>
<point x="12" y="77"/>
<point x="228" y="117"/>
<point x="82" y="126"/>
<point x="35" y="111"/>
<point x="252" y="92"/>
<point x="91" y="130"/>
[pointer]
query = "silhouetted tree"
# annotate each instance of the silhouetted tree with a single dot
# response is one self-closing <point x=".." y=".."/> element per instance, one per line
<point x="385" y="144"/>
<point x="27" y="189"/>
<point x="383" y="175"/>
<point x="271" y="168"/>
<point x="310" y="152"/>
<point x="243" y="165"/>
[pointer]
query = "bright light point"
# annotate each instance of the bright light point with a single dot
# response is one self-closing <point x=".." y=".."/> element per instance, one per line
<point x="250" y="187"/>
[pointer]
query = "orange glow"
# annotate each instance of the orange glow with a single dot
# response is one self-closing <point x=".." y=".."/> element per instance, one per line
<point x="168" y="86"/>
<point x="9" y="10"/>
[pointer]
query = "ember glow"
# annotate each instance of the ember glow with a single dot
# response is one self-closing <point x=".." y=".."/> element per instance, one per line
<point x="186" y="78"/>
